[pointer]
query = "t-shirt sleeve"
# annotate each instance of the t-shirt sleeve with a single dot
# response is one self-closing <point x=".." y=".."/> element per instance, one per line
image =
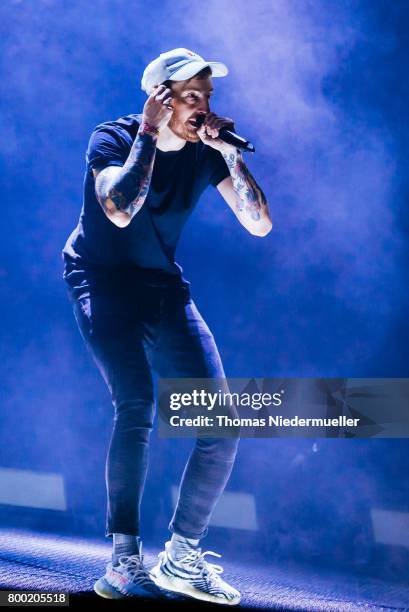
<point x="219" y="168"/>
<point x="108" y="147"/>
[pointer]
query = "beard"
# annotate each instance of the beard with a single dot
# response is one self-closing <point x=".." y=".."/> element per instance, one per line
<point x="183" y="130"/>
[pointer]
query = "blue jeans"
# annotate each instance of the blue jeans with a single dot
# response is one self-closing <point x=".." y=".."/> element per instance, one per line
<point x="132" y="327"/>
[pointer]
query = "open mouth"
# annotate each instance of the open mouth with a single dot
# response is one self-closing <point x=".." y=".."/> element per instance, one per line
<point x="197" y="121"/>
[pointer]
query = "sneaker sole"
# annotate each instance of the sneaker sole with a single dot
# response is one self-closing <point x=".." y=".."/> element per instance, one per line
<point x="177" y="585"/>
<point x="106" y="590"/>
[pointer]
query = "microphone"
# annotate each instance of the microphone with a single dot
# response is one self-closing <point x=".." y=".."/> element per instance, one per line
<point x="229" y="137"/>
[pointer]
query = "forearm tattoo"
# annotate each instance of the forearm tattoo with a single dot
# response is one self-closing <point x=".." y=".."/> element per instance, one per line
<point x="250" y="197"/>
<point x="130" y="188"/>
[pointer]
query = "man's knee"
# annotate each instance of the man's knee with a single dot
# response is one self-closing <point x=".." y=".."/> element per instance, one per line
<point x="219" y="449"/>
<point x="136" y="413"/>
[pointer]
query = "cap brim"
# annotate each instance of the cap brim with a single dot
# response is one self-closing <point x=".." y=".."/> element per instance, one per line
<point x="189" y="70"/>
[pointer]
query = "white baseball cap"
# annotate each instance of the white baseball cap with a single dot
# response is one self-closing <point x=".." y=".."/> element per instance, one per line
<point x="177" y="65"/>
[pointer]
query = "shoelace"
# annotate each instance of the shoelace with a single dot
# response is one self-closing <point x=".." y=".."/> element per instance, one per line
<point x="135" y="568"/>
<point x="195" y="559"/>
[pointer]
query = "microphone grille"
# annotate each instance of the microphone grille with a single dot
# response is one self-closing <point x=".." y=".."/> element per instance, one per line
<point x="200" y="120"/>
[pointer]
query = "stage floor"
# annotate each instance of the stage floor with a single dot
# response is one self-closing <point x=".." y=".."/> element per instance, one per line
<point x="48" y="562"/>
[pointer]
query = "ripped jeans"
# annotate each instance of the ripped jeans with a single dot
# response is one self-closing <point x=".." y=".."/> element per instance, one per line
<point x="130" y="329"/>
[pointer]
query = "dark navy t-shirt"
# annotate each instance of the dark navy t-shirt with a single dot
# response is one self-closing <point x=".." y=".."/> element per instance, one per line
<point x="149" y="242"/>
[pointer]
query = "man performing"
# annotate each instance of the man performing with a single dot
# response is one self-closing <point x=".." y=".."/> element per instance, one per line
<point x="144" y="175"/>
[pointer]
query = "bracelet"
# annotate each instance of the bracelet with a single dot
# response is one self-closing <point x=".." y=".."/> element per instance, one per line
<point x="146" y="128"/>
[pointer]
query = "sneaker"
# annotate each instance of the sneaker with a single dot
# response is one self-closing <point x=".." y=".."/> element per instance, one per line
<point x="128" y="579"/>
<point x="194" y="576"/>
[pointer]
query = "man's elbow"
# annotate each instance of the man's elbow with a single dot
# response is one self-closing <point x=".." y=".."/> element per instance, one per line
<point x="263" y="229"/>
<point x="120" y="219"/>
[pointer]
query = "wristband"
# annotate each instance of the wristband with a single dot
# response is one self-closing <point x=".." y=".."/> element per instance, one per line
<point x="146" y="128"/>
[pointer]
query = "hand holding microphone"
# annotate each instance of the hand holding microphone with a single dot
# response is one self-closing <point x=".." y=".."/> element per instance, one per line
<point x="217" y="131"/>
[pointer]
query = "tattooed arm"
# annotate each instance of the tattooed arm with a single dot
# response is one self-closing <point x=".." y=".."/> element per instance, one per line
<point x="244" y="195"/>
<point x="121" y="191"/>
<point x="240" y="190"/>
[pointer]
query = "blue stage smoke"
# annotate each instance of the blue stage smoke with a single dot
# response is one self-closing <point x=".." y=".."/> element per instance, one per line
<point x="321" y="89"/>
